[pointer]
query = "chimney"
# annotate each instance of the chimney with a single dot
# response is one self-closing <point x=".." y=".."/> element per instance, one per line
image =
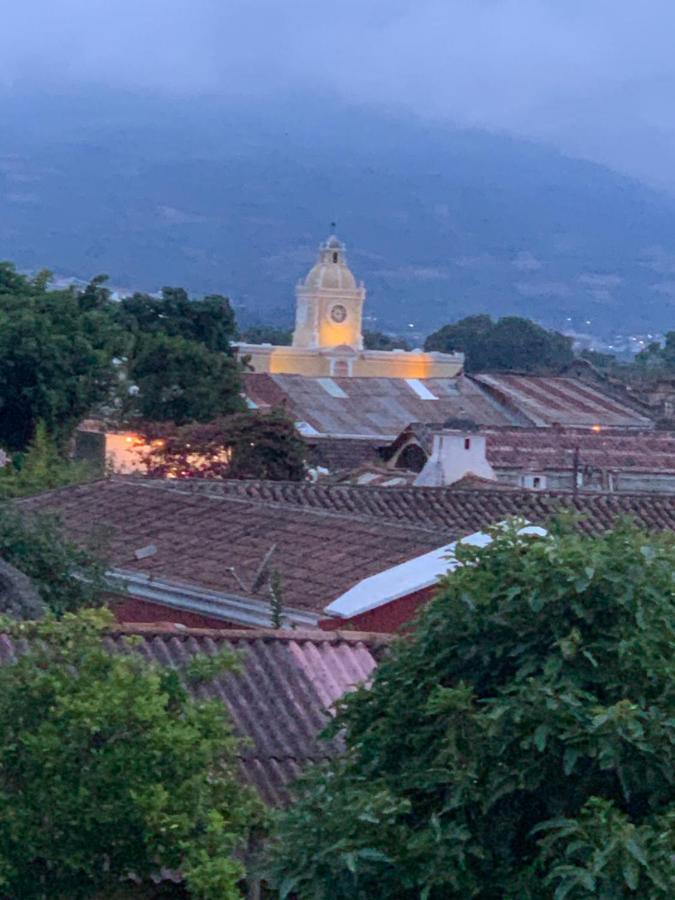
<point x="454" y="454"/>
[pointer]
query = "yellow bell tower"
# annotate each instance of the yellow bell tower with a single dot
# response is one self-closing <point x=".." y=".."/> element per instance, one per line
<point x="329" y="303"/>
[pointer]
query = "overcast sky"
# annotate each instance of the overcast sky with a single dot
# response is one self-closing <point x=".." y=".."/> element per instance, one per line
<point x="594" y="77"/>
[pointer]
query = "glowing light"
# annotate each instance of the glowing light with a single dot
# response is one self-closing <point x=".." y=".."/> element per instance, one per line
<point x="596" y="428"/>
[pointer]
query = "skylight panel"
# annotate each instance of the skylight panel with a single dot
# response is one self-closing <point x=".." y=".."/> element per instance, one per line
<point x="330" y="387"/>
<point x="420" y="389"/>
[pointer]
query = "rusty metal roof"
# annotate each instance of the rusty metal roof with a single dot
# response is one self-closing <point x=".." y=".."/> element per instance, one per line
<point x="547" y="400"/>
<point x="280" y="699"/>
<point x="377" y="406"/>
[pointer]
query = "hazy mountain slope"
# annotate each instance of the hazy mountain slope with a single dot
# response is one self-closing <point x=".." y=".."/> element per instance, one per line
<point x="233" y="198"/>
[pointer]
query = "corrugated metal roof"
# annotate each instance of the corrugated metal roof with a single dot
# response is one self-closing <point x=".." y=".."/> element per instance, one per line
<point x="280" y="699"/>
<point x="567" y="401"/>
<point x="377" y="406"/>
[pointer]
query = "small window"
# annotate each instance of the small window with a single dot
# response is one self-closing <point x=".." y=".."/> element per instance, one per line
<point x="335" y="257"/>
<point x="536" y="482"/>
<point x="467" y="443"/>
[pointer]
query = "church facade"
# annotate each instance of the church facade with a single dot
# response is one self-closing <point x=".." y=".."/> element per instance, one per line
<point x="328" y="334"/>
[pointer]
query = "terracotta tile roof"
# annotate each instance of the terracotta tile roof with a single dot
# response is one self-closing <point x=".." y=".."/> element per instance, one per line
<point x="343" y="453"/>
<point x="553" y="448"/>
<point x="195" y="538"/>
<point x="649" y="451"/>
<point x="563" y="400"/>
<point x="278" y="700"/>
<point x="377" y="406"/>
<point x="454" y="512"/>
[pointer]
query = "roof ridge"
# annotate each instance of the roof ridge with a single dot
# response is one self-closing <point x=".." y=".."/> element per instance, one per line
<point x="170" y="629"/>
<point x="266" y="503"/>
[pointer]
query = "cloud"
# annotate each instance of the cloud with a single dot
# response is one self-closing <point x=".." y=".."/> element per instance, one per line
<point x="595" y="79"/>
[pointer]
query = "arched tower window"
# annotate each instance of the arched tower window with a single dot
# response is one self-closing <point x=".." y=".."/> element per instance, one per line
<point x="335" y="257"/>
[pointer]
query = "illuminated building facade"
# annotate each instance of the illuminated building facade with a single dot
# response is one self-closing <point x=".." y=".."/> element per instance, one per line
<point x="328" y="335"/>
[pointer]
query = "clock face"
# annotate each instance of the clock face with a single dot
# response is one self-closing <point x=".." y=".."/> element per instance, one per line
<point x="338" y="313"/>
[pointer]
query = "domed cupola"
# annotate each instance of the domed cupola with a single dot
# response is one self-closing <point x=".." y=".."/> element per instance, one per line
<point x="329" y="302"/>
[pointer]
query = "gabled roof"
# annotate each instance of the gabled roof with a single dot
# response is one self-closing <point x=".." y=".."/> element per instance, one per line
<point x="554" y="448"/>
<point x="280" y="699"/>
<point x="174" y="542"/>
<point x="454" y="513"/>
<point x="376" y="406"/>
<point x="548" y="400"/>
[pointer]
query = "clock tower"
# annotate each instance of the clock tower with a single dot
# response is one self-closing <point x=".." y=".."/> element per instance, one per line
<point x="329" y="303"/>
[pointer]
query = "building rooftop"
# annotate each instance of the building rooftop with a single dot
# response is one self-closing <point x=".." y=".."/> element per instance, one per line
<point x="454" y="512"/>
<point x="224" y="542"/>
<point x="280" y="699"/>
<point x="548" y="400"/>
<point x="379" y="407"/>
<point x="553" y="448"/>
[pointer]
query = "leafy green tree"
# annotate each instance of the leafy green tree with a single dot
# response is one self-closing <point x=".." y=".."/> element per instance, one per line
<point x="110" y="769"/>
<point x="55" y="359"/>
<point x="209" y="321"/>
<point x="378" y="340"/>
<point x="268" y="334"/>
<point x="247" y="445"/>
<point x="520" y="743"/>
<point x="511" y="344"/>
<point x="41" y="468"/>
<point x="179" y="380"/>
<point x="67" y="577"/>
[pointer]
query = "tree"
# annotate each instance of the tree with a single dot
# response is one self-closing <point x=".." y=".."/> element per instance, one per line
<point x="209" y="321"/>
<point x="511" y="344"/>
<point x="109" y="769"/>
<point x="67" y="577"/>
<point x="55" y="360"/>
<point x="268" y="334"/>
<point x="520" y="743"/>
<point x="42" y="468"/>
<point x="181" y="381"/>
<point x="377" y="340"/>
<point x="247" y="445"/>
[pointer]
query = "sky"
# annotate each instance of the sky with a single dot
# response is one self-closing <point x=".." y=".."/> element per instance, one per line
<point x="594" y="78"/>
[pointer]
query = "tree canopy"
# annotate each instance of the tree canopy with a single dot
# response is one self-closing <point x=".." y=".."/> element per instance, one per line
<point x="520" y="743"/>
<point x="510" y="344"/>
<point x="67" y="577"/>
<point x="248" y="445"/>
<point x="54" y="359"/>
<point x="180" y="381"/>
<point x="209" y="321"/>
<point x="111" y="770"/>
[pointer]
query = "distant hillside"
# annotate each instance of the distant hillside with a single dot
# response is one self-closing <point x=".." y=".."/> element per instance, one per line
<point x="227" y="198"/>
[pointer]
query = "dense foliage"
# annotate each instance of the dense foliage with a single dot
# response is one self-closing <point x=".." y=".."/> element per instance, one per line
<point x="178" y="380"/>
<point x="658" y="359"/>
<point x="378" y="340"/>
<point x="267" y="334"/>
<point x="519" y="744"/>
<point x="54" y="359"/>
<point x="42" y="467"/>
<point x="66" y="353"/>
<point x="67" y="577"/>
<point x="510" y="344"/>
<point x="110" y="769"/>
<point x="248" y="445"/>
<point x="209" y="321"/>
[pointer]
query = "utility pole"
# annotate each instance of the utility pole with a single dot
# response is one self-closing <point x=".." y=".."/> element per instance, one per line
<point x="575" y="472"/>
